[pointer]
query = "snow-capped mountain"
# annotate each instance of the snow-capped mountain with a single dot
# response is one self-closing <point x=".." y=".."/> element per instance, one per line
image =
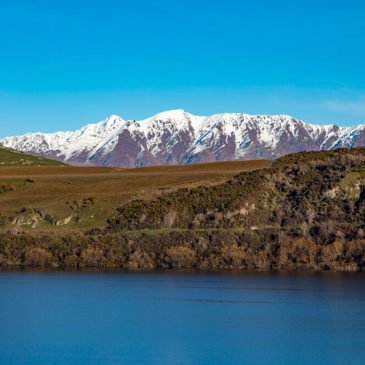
<point x="177" y="137"/>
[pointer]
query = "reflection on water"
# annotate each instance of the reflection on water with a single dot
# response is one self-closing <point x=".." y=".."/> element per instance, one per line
<point x="181" y="318"/>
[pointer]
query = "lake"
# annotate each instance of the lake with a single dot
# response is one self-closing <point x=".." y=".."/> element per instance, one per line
<point x="181" y="318"/>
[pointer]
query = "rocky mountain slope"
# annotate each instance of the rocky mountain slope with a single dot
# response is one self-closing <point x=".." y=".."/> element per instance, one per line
<point x="177" y="137"/>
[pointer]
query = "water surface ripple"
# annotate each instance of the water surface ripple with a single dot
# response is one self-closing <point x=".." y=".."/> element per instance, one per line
<point x="181" y="318"/>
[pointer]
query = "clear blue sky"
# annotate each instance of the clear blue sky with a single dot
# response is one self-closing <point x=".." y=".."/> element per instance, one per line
<point x="67" y="63"/>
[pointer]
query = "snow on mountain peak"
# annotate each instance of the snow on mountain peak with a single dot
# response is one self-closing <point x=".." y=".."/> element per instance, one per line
<point x="176" y="136"/>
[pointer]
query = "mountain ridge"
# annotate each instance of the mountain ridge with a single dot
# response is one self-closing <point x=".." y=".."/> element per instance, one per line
<point x="178" y="137"/>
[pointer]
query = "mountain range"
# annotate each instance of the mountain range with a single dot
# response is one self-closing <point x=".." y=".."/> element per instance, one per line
<point x="178" y="137"/>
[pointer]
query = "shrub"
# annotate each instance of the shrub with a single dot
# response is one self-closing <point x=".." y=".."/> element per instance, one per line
<point x="234" y="256"/>
<point x="71" y="261"/>
<point x="37" y="257"/>
<point x="3" y="260"/>
<point x="6" y="187"/>
<point x="92" y="257"/>
<point x="180" y="257"/>
<point x="140" y="260"/>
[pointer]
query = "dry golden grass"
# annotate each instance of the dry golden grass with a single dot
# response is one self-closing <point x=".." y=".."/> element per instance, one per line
<point x="53" y="186"/>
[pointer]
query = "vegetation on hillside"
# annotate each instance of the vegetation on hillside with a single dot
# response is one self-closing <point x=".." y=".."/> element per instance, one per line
<point x="75" y="199"/>
<point x="304" y="192"/>
<point x="12" y="158"/>
<point x="304" y="211"/>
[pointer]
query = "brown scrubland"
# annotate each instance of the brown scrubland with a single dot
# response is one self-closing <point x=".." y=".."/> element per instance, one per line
<point x="304" y="211"/>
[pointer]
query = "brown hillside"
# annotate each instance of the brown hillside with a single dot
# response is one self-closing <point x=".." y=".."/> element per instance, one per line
<point x="31" y="193"/>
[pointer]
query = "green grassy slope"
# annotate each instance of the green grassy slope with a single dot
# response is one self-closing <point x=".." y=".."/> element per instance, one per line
<point x="12" y="158"/>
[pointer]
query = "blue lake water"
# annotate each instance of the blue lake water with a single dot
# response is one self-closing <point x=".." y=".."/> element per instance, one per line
<point x="181" y="318"/>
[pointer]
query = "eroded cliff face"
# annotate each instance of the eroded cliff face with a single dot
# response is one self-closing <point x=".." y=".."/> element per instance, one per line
<point x="177" y="137"/>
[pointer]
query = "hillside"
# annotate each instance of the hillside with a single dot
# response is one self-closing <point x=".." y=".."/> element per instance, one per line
<point x="305" y="211"/>
<point x="178" y="137"/>
<point x="303" y="188"/>
<point x="74" y="199"/>
<point x="13" y="158"/>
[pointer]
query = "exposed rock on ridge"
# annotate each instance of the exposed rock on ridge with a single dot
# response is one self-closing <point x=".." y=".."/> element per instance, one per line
<point x="177" y="137"/>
